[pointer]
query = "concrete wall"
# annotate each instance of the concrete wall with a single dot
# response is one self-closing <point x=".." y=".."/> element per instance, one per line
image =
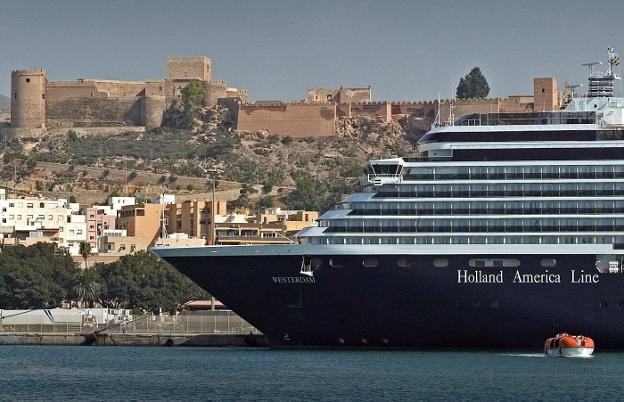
<point x="294" y="119"/>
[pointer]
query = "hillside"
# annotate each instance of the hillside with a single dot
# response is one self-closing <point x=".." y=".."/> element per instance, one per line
<point x="5" y="104"/>
<point x="296" y="173"/>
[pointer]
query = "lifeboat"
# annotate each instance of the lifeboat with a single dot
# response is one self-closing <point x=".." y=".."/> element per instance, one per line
<point x="569" y="346"/>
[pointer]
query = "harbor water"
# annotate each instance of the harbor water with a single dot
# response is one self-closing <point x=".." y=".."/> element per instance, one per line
<point x="133" y="373"/>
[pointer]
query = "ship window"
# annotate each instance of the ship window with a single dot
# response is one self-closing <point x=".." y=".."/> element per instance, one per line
<point x="405" y="262"/>
<point x="603" y="303"/>
<point x="370" y="262"/>
<point x="440" y="262"/>
<point x="494" y="304"/>
<point x="494" y="263"/>
<point x="548" y="262"/>
<point x="335" y="263"/>
<point x="621" y="304"/>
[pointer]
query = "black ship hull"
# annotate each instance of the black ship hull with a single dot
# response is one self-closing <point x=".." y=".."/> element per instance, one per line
<point x="420" y="306"/>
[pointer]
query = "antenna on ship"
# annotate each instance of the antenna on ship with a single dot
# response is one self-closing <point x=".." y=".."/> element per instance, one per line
<point x="436" y="121"/>
<point x="601" y="85"/>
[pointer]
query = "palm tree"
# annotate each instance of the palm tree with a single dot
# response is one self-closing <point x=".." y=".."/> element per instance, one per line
<point x="87" y="288"/>
<point x="85" y="251"/>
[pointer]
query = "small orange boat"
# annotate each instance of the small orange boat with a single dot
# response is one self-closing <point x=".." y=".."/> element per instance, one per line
<point x="569" y="346"/>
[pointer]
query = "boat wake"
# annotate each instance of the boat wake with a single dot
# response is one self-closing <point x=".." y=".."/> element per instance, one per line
<point x="523" y="354"/>
<point x="541" y="355"/>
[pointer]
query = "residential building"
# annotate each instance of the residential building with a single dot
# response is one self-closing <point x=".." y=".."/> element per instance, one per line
<point x="97" y="222"/>
<point x="142" y="220"/>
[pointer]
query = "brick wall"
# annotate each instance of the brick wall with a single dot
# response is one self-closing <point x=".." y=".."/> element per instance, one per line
<point x="296" y="120"/>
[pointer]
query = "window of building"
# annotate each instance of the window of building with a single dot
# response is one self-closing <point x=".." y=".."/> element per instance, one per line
<point x="27" y="79"/>
<point x="122" y="247"/>
<point x="29" y="205"/>
<point x="79" y="231"/>
<point x="71" y="232"/>
<point x="50" y="217"/>
<point x="11" y="204"/>
<point x="91" y="237"/>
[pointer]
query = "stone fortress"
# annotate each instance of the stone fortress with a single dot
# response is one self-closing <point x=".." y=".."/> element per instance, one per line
<point x="38" y="105"/>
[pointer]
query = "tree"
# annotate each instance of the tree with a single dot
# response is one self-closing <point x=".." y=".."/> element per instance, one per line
<point x="87" y="287"/>
<point x="192" y="99"/>
<point x="72" y="199"/>
<point x="36" y="276"/>
<point x="85" y="251"/>
<point x="142" y="280"/>
<point x="473" y="85"/>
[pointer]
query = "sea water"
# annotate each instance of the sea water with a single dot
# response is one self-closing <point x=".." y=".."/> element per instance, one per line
<point x="178" y="373"/>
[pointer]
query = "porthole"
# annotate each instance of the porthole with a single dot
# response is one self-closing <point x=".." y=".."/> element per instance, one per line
<point x="405" y="262"/>
<point x="370" y="262"/>
<point x="440" y="262"/>
<point x="548" y="262"/>
<point x="335" y="263"/>
<point x="494" y="262"/>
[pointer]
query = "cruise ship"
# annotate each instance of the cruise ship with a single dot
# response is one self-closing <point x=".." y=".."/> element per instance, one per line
<point x="505" y="229"/>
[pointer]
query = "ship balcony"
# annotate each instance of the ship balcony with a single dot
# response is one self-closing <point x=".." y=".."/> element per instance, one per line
<point x="381" y="179"/>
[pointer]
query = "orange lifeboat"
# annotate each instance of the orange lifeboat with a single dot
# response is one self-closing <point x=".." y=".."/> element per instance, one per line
<point x="569" y="346"/>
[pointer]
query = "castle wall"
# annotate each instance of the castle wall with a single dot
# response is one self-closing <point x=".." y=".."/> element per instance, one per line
<point x="350" y="95"/>
<point x="380" y="109"/>
<point x="213" y="90"/>
<point x="417" y="109"/>
<point x="545" y="94"/>
<point x="189" y="68"/>
<point x="28" y="98"/>
<point x="57" y="90"/>
<point x="153" y="110"/>
<point x="94" y="111"/>
<point x="297" y="120"/>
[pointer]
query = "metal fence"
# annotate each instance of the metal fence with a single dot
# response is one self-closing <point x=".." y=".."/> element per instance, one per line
<point x="213" y="322"/>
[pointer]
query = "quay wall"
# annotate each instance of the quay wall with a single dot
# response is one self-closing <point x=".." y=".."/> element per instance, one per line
<point x="208" y="340"/>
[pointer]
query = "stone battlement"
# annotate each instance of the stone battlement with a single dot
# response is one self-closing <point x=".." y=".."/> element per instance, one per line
<point x="35" y="101"/>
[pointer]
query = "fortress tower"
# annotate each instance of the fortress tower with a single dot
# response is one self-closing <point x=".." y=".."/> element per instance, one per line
<point x="28" y="98"/>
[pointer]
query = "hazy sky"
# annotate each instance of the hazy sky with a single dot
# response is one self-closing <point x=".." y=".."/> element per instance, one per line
<point x="277" y="49"/>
